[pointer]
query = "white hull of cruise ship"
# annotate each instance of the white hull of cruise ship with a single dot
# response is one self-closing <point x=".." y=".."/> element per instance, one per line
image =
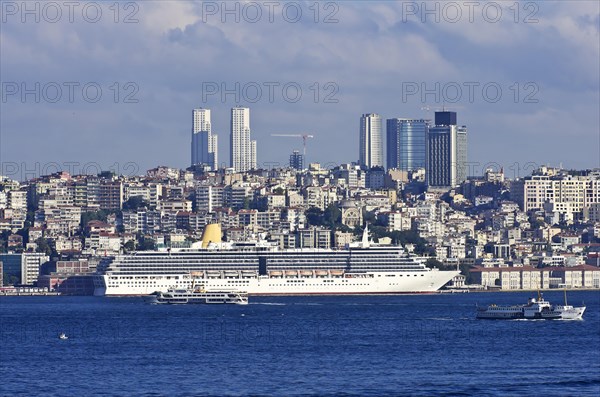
<point x="261" y="269"/>
<point x="347" y="284"/>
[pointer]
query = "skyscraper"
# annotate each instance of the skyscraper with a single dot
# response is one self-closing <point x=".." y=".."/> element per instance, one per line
<point x="204" y="143"/>
<point x="446" y="152"/>
<point x="242" y="149"/>
<point x="445" y="118"/>
<point x="296" y="160"/>
<point x="370" y="143"/>
<point x="461" y="154"/>
<point x="406" y="143"/>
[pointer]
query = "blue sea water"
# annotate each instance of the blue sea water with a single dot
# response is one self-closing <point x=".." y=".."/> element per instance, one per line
<point x="295" y="346"/>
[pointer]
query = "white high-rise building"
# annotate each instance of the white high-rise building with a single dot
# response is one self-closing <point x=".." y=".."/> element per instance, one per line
<point x="204" y="143"/>
<point x="370" y="147"/>
<point x="253" y="155"/>
<point x="242" y="149"/>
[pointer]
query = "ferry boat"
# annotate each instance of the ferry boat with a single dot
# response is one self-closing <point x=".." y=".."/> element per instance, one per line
<point x="534" y="309"/>
<point x="198" y="295"/>
<point x="260" y="268"/>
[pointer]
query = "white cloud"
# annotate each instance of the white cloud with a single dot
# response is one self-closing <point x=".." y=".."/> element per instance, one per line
<point x="158" y="17"/>
<point x="369" y="53"/>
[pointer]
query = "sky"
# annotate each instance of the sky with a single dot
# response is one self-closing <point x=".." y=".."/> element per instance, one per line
<point x="99" y="85"/>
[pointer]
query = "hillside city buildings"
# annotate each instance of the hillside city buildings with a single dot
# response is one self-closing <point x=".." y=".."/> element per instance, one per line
<point x="541" y="230"/>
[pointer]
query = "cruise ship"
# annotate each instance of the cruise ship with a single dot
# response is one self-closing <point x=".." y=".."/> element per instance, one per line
<point x="260" y="268"/>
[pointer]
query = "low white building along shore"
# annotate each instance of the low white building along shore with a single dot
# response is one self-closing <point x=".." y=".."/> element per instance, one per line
<point x="531" y="278"/>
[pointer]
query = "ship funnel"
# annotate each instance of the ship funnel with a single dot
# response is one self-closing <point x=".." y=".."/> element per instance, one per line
<point x="211" y="234"/>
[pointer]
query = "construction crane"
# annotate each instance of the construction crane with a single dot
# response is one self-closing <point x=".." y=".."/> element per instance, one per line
<point x="303" y="136"/>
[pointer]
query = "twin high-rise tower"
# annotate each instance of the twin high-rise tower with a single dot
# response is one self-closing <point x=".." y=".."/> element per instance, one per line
<point x="204" y="143"/>
<point x="242" y="150"/>
<point x="441" y="149"/>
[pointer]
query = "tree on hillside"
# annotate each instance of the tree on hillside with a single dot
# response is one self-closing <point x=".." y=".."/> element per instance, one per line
<point x="129" y="246"/>
<point x="25" y="234"/>
<point x="44" y="246"/>
<point x="100" y="215"/>
<point x="146" y="244"/>
<point x="134" y="203"/>
<point x="4" y="240"/>
<point x="465" y="270"/>
<point x="432" y="262"/>
<point x="369" y="217"/>
<point x="332" y="216"/>
<point x="314" y="216"/>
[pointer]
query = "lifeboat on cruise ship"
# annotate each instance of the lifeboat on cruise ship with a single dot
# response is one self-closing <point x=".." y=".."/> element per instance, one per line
<point x="291" y="273"/>
<point x="197" y="274"/>
<point x="231" y="273"/>
<point x="306" y="273"/>
<point x="337" y="273"/>
<point x="248" y="273"/>
<point x="213" y="274"/>
<point x="276" y="273"/>
<point x="321" y="273"/>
